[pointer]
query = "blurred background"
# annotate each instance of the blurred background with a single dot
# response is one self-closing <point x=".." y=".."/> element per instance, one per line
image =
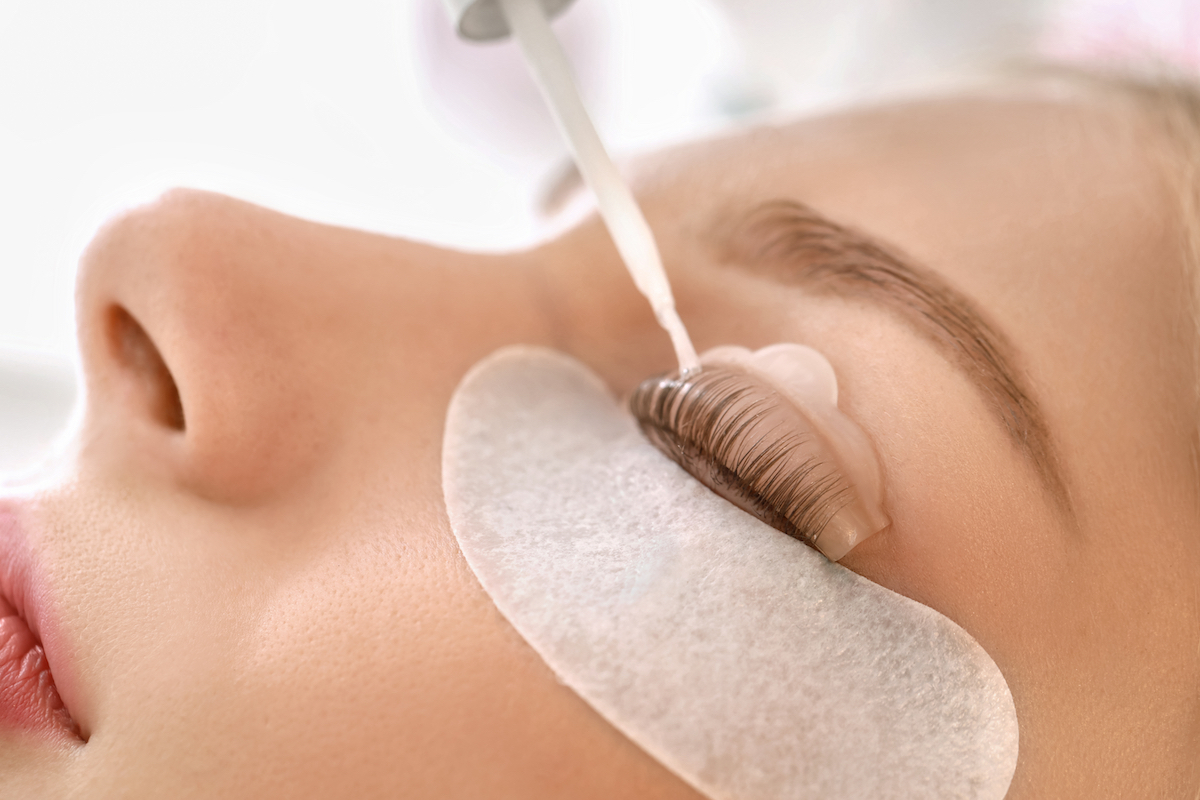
<point x="370" y="113"/>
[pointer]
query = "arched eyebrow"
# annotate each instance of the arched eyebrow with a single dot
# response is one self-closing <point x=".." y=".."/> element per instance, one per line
<point x="793" y="244"/>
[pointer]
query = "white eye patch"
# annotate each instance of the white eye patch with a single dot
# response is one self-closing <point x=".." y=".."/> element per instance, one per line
<point x="739" y="658"/>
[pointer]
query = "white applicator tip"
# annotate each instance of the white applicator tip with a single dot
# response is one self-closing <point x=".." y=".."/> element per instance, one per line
<point x="618" y="208"/>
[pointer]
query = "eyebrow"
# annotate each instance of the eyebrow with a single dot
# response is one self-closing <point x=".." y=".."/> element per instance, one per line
<point x="792" y="243"/>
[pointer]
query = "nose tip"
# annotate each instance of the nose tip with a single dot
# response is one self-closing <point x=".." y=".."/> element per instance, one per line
<point x="190" y="371"/>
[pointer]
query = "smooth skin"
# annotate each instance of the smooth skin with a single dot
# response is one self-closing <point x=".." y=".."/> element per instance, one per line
<point x="269" y="601"/>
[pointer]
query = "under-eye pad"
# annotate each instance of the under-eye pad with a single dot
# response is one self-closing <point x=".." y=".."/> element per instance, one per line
<point x="738" y="657"/>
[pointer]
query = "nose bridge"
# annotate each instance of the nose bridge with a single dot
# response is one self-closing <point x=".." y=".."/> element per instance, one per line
<point x="213" y="291"/>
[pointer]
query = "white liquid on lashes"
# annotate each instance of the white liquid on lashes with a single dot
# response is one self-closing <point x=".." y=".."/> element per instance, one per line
<point x="618" y="208"/>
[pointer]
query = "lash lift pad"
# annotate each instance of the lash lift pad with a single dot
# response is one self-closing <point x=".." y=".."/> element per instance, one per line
<point x="740" y="658"/>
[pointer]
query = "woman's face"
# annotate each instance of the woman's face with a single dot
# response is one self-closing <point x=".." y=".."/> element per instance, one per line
<point x="243" y="576"/>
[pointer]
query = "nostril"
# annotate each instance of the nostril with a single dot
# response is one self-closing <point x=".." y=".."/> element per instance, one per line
<point x="137" y="355"/>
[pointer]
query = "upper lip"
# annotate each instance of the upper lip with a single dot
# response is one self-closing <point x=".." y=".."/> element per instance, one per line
<point x="22" y="588"/>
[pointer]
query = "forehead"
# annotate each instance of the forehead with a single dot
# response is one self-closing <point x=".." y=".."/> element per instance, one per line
<point x="1055" y="216"/>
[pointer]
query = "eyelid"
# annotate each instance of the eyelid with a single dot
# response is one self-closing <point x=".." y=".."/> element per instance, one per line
<point x="748" y="441"/>
<point x="795" y="245"/>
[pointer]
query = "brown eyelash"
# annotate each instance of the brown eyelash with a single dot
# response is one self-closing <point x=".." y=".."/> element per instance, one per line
<point x="743" y="441"/>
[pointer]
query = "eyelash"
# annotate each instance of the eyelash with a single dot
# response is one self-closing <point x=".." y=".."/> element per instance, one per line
<point x="723" y="428"/>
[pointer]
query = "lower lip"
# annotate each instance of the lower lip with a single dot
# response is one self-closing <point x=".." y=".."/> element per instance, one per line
<point x="29" y="700"/>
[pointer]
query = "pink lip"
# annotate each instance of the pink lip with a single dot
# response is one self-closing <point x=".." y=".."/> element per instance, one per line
<point x="29" y="699"/>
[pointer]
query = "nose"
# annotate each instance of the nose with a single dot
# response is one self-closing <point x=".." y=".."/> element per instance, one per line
<point x="192" y="313"/>
<point x="234" y="350"/>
